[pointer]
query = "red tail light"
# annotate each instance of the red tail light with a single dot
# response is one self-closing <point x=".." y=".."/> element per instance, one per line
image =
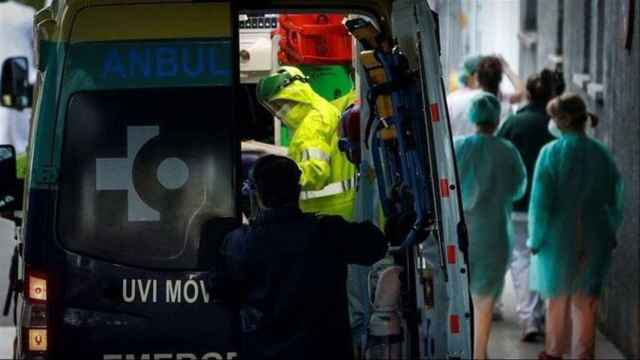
<point x="36" y="287"/>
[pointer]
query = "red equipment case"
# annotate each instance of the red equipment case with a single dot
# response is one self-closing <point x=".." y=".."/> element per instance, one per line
<point x="314" y="39"/>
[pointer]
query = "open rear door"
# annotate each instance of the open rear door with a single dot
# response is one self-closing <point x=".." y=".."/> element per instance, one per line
<point x="447" y="323"/>
<point x="409" y="140"/>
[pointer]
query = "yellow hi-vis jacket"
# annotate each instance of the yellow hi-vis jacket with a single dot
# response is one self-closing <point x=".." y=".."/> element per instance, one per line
<point x="328" y="179"/>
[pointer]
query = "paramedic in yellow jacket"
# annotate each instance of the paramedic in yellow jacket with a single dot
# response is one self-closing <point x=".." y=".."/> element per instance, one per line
<point x="328" y="178"/>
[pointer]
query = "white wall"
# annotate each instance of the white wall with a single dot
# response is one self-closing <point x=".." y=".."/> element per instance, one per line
<point x="498" y="24"/>
<point x="478" y="27"/>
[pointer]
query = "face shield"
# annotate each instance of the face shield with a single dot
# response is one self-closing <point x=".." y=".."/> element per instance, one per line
<point x="271" y="85"/>
<point x="279" y="108"/>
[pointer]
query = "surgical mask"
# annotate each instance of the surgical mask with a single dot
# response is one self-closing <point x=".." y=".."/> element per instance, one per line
<point x="553" y="128"/>
<point x="556" y="132"/>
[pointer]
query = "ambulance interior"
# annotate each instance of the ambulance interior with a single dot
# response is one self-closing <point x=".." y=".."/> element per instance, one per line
<point x="317" y="43"/>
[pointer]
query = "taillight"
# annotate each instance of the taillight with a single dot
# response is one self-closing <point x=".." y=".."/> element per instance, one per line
<point x="37" y="340"/>
<point x="36" y="287"/>
<point x="35" y="323"/>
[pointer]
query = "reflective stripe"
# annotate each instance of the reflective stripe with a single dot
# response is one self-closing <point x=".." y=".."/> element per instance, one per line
<point x="330" y="190"/>
<point x="315" y="154"/>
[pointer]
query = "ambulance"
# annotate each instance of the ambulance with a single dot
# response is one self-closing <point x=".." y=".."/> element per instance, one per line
<point x="144" y="113"/>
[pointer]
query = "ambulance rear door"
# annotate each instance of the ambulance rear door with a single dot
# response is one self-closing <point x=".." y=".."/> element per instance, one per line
<point x="447" y="316"/>
<point x="147" y="154"/>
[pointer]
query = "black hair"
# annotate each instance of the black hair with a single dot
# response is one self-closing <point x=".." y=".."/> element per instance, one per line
<point x="276" y="180"/>
<point x="490" y="74"/>
<point x="541" y="87"/>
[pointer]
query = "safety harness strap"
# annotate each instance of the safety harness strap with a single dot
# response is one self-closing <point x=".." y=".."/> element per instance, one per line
<point x="330" y="190"/>
<point x="315" y="154"/>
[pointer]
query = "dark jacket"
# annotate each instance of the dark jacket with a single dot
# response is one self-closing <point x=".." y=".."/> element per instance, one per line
<point x="527" y="130"/>
<point x="289" y="271"/>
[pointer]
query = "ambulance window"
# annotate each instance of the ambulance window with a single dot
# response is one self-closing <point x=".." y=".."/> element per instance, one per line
<point x="147" y="176"/>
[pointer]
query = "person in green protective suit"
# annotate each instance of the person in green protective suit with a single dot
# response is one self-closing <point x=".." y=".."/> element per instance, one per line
<point x="575" y="211"/>
<point x="492" y="177"/>
<point x="328" y="178"/>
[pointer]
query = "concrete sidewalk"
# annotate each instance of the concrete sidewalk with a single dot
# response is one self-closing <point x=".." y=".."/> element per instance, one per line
<point x="505" y="336"/>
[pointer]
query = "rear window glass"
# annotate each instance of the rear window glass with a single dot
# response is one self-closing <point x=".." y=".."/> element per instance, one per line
<point x="148" y="176"/>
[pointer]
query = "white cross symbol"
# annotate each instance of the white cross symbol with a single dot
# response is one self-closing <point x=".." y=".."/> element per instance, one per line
<point x="117" y="173"/>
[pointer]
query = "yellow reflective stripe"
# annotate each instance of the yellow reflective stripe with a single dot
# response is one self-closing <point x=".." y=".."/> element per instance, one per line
<point x="152" y="22"/>
<point x="330" y="190"/>
<point x="315" y="154"/>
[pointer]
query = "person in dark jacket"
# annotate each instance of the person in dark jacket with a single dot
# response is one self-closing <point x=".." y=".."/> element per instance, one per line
<point x="527" y="130"/>
<point x="288" y="271"/>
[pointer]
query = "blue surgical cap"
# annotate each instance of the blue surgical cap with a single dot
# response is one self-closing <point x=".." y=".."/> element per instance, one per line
<point x="485" y="108"/>
<point x="469" y="67"/>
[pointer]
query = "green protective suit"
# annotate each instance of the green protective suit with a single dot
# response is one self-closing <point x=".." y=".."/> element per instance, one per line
<point x="343" y="102"/>
<point x="492" y="177"/>
<point x="575" y="211"/>
<point x="328" y="178"/>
